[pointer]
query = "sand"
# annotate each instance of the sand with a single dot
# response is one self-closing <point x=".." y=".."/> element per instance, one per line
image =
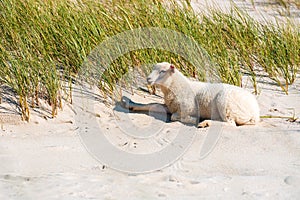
<point x="50" y="159"/>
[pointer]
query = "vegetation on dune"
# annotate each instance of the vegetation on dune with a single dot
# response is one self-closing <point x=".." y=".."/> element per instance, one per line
<point x="44" y="43"/>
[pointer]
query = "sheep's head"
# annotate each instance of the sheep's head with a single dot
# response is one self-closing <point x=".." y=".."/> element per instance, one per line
<point x="161" y="74"/>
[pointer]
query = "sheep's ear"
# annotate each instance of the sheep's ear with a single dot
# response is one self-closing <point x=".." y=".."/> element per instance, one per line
<point x="172" y="68"/>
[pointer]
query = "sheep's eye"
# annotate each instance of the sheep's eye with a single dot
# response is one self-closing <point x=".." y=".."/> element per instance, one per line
<point x="162" y="71"/>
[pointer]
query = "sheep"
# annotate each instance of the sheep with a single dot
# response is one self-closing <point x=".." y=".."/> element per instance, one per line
<point x="189" y="101"/>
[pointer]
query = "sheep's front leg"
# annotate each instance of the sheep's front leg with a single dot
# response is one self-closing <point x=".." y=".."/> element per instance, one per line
<point x="175" y="117"/>
<point x="204" y="124"/>
<point x="151" y="107"/>
<point x="185" y="119"/>
<point x="207" y="123"/>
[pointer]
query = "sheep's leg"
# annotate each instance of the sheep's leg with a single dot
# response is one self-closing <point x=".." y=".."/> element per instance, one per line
<point x="187" y="119"/>
<point x="153" y="107"/>
<point x="207" y="123"/>
<point x="175" y="117"/>
<point x="204" y="124"/>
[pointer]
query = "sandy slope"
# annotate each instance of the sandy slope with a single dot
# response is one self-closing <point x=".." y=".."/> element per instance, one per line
<point x="46" y="159"/>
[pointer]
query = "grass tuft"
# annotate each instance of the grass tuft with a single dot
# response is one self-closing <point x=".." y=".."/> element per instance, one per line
<point x="44" y="43"/>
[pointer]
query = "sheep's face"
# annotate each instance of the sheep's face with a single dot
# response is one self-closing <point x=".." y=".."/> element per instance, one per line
<point x="161" y="74"/>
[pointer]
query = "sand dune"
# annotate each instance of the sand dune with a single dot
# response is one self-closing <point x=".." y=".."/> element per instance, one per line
<point x="50" y="159"/>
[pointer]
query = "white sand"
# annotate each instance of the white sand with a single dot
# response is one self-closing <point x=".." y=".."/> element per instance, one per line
<point x="45" y="159"/>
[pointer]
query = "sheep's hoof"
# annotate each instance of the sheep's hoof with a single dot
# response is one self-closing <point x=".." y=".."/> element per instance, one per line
<point x="204" y="124"/>
<point x="175" y="117"/>
<point x="125" y="103"/>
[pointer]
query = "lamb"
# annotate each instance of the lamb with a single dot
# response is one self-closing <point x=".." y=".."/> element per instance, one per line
<point x="189" y="101"/>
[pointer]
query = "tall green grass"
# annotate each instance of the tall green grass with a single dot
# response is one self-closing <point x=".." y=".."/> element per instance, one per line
<point x="44" y="43"/>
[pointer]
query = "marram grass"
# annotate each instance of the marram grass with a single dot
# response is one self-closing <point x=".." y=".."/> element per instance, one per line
<point x="44" y="43"/>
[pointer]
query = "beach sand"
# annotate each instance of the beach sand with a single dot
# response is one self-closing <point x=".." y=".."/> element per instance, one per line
<point x="49" y="159"/>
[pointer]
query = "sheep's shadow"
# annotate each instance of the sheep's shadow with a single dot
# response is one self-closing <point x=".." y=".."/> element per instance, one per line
<point x="156" y="110"/>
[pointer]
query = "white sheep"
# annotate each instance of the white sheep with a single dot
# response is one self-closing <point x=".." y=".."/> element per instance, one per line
<point x="188" y="101"/>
